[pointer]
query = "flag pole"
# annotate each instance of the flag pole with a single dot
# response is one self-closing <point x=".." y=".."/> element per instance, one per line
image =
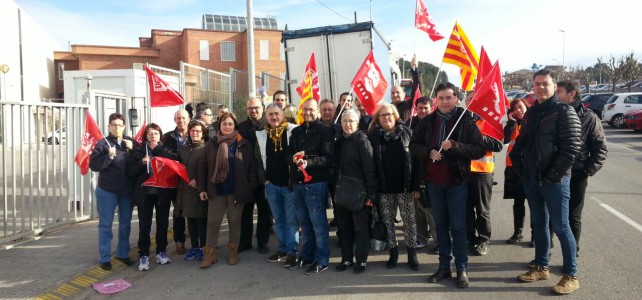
<point x="344" y="104"/>
<point x="455" y="126"/>
<point x="147" y="154"/>
<point x="436" y="78"/>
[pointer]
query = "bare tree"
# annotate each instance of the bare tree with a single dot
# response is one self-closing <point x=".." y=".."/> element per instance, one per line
<point x="630" y="69"/>
<point x="612" y="69"/>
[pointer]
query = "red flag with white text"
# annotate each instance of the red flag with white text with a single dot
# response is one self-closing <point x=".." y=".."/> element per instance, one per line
<point x="162" y="94"/>
<point x="488" y="103"/>
<point x="369" y="84"/>
<point x="139" y="136"/>
<point x="90" y="137"/>
<point x="424" y="22"/>
<point x="309" y="86"/>
<point x="414" y="101"/>
<point x="166" y="173"/>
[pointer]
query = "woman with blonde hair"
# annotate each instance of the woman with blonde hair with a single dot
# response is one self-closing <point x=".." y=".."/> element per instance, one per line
<point x="390" y="140"/>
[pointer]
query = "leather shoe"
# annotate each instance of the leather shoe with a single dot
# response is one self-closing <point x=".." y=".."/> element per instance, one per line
<point x="343" y="266"/>
<point x="440" y="275"/>
<point x="243" y="248"/>
<point x="359" y="268"/>
<point x="462" y="279"/>
<point x="125" y="261"/>
<point x="105" y="266"/>
<point x="263" y="249"/>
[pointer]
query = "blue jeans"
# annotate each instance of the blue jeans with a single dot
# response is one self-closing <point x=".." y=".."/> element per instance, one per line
<point x="449" y="212"/>
<point x="550" y="201"/>
<point x="286" y="223"/>
<point x="310" y="203"/>
<point x="106" y="203"/>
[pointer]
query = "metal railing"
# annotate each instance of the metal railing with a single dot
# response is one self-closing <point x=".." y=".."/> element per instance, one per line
<point x="41" y="186"/>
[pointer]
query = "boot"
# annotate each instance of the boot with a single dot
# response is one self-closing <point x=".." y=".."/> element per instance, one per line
<point x="232" y="254"/>
<point x="462" y="279"/>
<point x="412" y="259"/>
<point x="517" y="236"/>
<point x="209" y="257"/>
<point x="394" y="256"/>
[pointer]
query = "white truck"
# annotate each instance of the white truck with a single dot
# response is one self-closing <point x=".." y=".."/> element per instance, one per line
<point x="339" y="50"/>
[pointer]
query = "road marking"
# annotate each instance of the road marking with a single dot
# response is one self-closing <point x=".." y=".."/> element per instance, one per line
<point x="619" y="214"/>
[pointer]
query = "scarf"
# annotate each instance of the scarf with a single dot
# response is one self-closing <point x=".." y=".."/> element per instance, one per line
<point x="443" y="118"/>
<point x="222" y="166"/>
<point x="275" y="135"/>
<point x="393" y="134"/>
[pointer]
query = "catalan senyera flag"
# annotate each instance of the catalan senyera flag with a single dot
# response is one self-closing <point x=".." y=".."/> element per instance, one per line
<point x="309" y="87"/>
<point x="460" y="52"/>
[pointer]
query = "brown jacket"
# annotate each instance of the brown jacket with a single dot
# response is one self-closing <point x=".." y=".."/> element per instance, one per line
<point x="187" y="197"/>
<point x="245" y="172"/>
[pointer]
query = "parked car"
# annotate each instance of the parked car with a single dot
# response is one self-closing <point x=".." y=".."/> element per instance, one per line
<point x="633" y="120"/>
<point x="56" y="137"/>
<point x="596" y="102"/>
<point x="618" y="105"/>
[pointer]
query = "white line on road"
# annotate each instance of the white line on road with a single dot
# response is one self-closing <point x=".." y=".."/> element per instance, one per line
<point x="619" y="215"/>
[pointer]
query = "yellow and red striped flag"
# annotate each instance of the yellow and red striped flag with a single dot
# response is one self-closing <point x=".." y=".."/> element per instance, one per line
<point x="309" y="87"/>
<point x="460" y="52"/>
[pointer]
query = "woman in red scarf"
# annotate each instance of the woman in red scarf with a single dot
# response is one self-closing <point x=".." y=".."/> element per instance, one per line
<point x="227" y="175"/>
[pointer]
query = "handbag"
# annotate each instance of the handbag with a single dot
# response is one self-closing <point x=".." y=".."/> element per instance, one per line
<point x="378" y="234"/>
<point x="350" y="193"/>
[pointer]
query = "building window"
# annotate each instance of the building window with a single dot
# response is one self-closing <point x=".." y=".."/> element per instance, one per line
<point x="204" y="46"/>
<point x="228" y="51"/>
<point x="61" y="71"/>
<point x="264" y="50"/>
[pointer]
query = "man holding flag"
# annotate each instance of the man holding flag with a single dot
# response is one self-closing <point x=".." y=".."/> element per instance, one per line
<point x="447" y="141"/>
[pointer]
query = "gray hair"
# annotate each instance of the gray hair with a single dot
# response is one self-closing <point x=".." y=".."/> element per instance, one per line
<point x="350" y="113"/>
<point x="273" y="105"/>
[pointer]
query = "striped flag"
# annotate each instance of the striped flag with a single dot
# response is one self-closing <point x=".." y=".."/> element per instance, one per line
<point x="309" y="87"/>
<point x="460" y="52"/>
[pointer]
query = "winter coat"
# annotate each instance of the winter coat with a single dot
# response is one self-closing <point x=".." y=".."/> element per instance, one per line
<point x="377" y="146"/>
<point x="137" y="171"/>
<point x="187" y="198"/>
<point x="111" y="172"/>
<point x="316" y="140"/>
<point x="593" y="150"/>
<point x="354" y="158"/>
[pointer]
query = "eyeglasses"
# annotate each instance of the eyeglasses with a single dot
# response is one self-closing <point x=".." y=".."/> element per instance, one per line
<point x="209" y="115"/>
<point x="386" y="115"/>
<point x="117" y="125"/>
<point x="196" y="131"/>
<point x="349" y="121"/>
<point x="254" y="108"/>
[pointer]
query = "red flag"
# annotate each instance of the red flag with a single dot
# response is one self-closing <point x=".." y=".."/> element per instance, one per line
<point x="369" y="84"/>
<point x="90" y="137"/>
<point x="139" y="136"/>
<point x="487" y="103"/>
<point x="424" y="22"/>
<point x="309" y="86"/>
<point x="484" y="67"/>
<point x="164" y="173"/>
<point x="161" y="94"/>
<point x="414" y="101"/>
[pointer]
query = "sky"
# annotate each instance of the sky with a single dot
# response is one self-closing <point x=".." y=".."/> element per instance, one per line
<point x="518" y="33"/>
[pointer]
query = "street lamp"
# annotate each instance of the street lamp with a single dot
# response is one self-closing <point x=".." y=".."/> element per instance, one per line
<point x="563" y="44"/>
<point x="4" y="69"/>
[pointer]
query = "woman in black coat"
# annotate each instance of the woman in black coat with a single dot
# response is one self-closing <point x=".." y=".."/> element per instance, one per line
<point x="354" y="159"/>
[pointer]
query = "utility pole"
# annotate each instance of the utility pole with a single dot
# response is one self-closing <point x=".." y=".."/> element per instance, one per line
<point x="250" y="51"/>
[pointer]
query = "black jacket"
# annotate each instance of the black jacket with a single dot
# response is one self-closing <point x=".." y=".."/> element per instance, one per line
<point x="111" y="172"/>
<point x="354" y="159"/>
<point x="467" y="144"/>
<point x="170" y="140"/>
<point x="248" y="128"/>
<point x="548" y="142"/>
<point x="137" y="171"/>
<point x="316" y="140"/>
<point x="404" y="138"/>
<point x="593" y="150"/>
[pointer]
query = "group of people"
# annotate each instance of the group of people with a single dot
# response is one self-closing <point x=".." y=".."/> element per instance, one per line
<point x="435" y="168"/>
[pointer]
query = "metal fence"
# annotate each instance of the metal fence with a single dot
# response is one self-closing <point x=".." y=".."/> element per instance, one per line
<point x="240" y="89"/>
<point x="41" y="186"/>
<point x="204" y="85"/>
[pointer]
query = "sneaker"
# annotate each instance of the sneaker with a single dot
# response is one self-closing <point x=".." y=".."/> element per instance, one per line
<point x="105" y="266"/>
<point x="290" y="261"/>
<point x="278" y="256"/>
<point x="482" y="248"/>
<point x="191" y="254"/>
<point x="300" y="264"/>
<point x="144" y="263"/>
<point x="421" y="245"/>
<point x="471" y="246"/>
<point x="343" y="266"/>
<point x="359" y="268"/>
<point x="567" y="285"/>
<point x="161" y="258"/>
<point x="315" y="268"/>
<point x="200" y="254"/>
<point x="534" y="274"/>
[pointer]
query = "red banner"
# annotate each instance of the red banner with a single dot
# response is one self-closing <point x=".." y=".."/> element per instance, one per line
<point x="139" y="136"/>
<point x="165" y="173"/>
<point x="424" y="22"/>
<point x="484" y="67"/>
<point x="414" y="101"/>
<point x="90" y="137"/>
<point x="161" y="94"/>
<point x="309" y="86"/>
<point x="489" y="105"/>
<point x="369" y="84"/>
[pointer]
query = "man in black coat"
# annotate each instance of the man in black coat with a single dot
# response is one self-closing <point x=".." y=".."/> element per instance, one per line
<point x="255" y="122"/>
<point x="543" y="155"/>
<point x="591" y="157"/>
